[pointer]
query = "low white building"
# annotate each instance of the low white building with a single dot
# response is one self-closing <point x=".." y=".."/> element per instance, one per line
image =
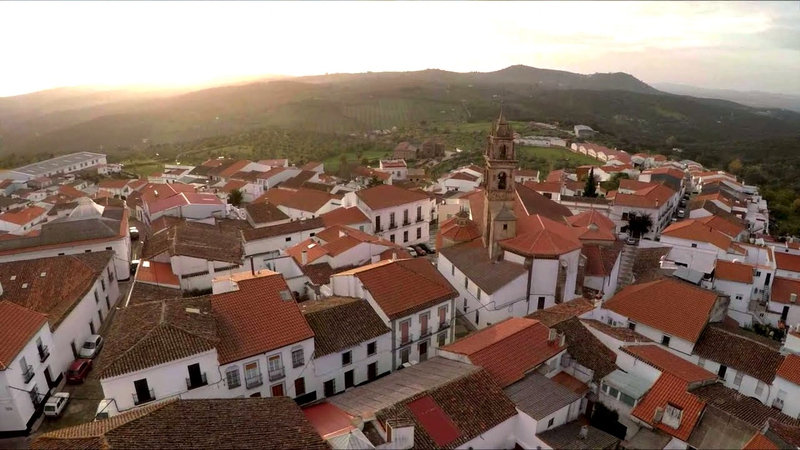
<point x="657" y="201"/>
<point x="698" y="246"/>
<point x="265" y="243"/>
<point x="352" y="345"/>
<point x="302" y="203"/>
<point x="736" y="280"/>
<point x="22" y="221"/>
<point x="413" y="300"/>
<point x="542" y="405"/>
<point x="399" y="215"/>
<point x="397" y="167"/>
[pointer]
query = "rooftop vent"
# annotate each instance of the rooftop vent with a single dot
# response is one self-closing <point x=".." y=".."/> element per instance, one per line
<point x="13" y="277"/>
<point x="193" y="310"/>
<point x="24" y="285"/>
<point x="286" y="295"/>
<point x="43" y="274"/>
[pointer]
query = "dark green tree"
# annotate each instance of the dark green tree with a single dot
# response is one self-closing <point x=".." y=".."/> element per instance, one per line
<point x="235" y="197"/>
<point x="612" y="183"/>
<point x="374" y="181"/>
<point x="638" y="224"/>
<point x="590" y="190"/>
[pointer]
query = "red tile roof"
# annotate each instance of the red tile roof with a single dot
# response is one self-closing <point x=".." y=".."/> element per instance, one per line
<point x="403" y="287"/>
<point x="592" y="216"/>
<point x="556" y="176"/>
<point x="652" y="197"/>
<point x="313" y="249"/>
<point x="734" y="271"/>
<point x="387" y="196"/>
<point x="788" y="262"/>
<point x="759" y="442"/>
<point x="456" y="231"/>
<point x="540" y="236"/>
<point x="311" y="165"/>
<point x="694" y="230"/>
<point x="783" y="288"/>
<point x="18" y="325"/>
<point x="669" y="389"/>
<point x="716" y="196"/>
<point x="508" y="349"/>
<point x="157" y="273"/>
<point x="674" y="307"/>
<point x="328" y="419"/>
<point x="256" y="319"/>
<point x="720" y="224"/>
<point x="547" y="186"/>
<point x="23" y="216"/>
<point x="668" y="362"/>
<point x="570" y="382"/>
<point x="303" y="199"/>
<point x="234" y="184"/>
<point x="435" y="422"/>
<point x="344" y="216"/>
<point x="634" y="185"/>
<point x="789" y="370"/>
<point x="463" y="176"/>
<point x="114" y="184"/>
<point x="233" y="168"/>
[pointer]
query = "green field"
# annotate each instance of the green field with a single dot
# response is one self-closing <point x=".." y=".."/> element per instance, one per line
<point x="332" y="163"/>
<point x="555" y="154"/>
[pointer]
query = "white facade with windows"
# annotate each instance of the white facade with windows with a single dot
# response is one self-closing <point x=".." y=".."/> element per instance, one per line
<point x="406" y="224"/>
<point x="331" y="370"/>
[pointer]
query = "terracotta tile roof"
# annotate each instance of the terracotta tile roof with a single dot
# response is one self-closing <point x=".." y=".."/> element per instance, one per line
<point x="328" y="419"/>
<point x="299" y="180"/>
<point x="232" y="169"/>
<point x="163" y="223"/>
<point x="734" y="271"/>
<point x="526" y="173"/>
<point x="470" y="406"/>
<point x="196" y="240"/>
<point x="311" y="165"/>
<point x="556" y="176"/>
<point x="592" y="216"/>
<point x="114" y="184"/>
<point x="472" y="259"/>
<point x="586" y="349"/>
<point x="18" y="325"/>
<point x="296" y="226"/>
<point x="532" y="202"/>
<point x="783" y="288"/>
<point x="789" y="369"/>
<point x="669" y="389"/>
<point x="180" y="424"/>
<point x="508" y="349"/>
<point x="567" y="436"/>
<point x="563" y="311"/>
<point x="601" y="259"/>
<point x="150" y="334"/>
<point x="671" y="171"/>
<point x="340" y="323"/>
<point x="233" y="185"/>
<point x="462" y="176"/>
<point x="668" y="305"/>
<point x="387" y="196"/>
<point x="738" y="352"/>
<point x="716" y="196"/>
<point x="456" y="230"/>
<point x="313" y="250"/>
<point x="647" y="264"/>
<point x="667" y="362"/>
<point x="694" y="230"/>
<point x="404" y="287"/>
<point x="344" y="216"/>
<point x="634" y="185"/>
<point x="759" y="442"/>
<point x="788" y="434"/>
<point x="309" y="200"/>
<point x="265" y="213"/>
<point x="540" y="236"/>
<point x="144" y="293"/>
<point x="546" y="186"/>
<point x="70" y="191"/>
<point x="573" y="384"/>
<point x="157" y="273"/>
<point x="23" y="216"/>
<point x="788" y="262"/>
<point x="52" y="286"/>
<point x="650" y="197"/>
<point x="742" y="407"/>
<point x="270" y="173"/>
<point x="279" y="162"/>
<point x="257" y="319"/>
<point x="623" y="334"/>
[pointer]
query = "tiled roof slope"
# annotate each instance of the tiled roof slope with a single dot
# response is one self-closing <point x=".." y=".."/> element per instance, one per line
<point x="786" y="433"/>
<point x="341" y="323"/>
<point x="508" y="349"/>
<point x="387" y="196"/>
<point x="149" y="334"/>
<point x="668" y="362"/>
<point x="790" y="369"/>
<point x="740" y="353"/>
<point x="489" y="275"/>
<point x="744" y="408"/>
<point x="734" y="271"/>
<point x="344" y="216"/>
<point x="196" y="240"/>
<point x="191" y="424"/>
<point x="536" y="203"/>
<point x="674" y="307"/>
<point x="473" y="405"/>
<point x="309" y="200"/>
<point x="562" y="311"/>
<point x="539" y="396"/>
<point x="265" y="212"/>
<point x="297" y="226"/>
<point x="540" y="236"/>
<point x="17" y="326"/>
<point x="760" y="442"/>
<point x="623" y="334"/>
<point x="52" y="286"/>
<point x="673" y="390"/>
<point x="256" y="318"/>
<point x="567" y="437"/>
<point x="783" y="288"/>
<point x="693" y="230"/>
<point x="586" y="349"/>
<point x="404" y="287"/>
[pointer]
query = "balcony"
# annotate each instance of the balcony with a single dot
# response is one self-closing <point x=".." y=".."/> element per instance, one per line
<point x="44" y="353"/>
<point x="778" y="404"/>
<point x="406" y="339"/>
<point x="196" y="383"/>
<point x="406" y="223"/>
<point x="379" y="229"/>
<point x="27" y="376"/>
<point x="144" y="399"/>
<point x="35" y="398"/>
<point x="420" y="219"/>
<point x="277" y="374"/>
<point x="424" y="331"/>
<point x="392" y="226"/>
<point x="254" y="381"/>
<point x="444" y="325"/>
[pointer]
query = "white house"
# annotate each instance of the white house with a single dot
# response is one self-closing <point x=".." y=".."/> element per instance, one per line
<point x="459" y="181"/>
<point x="399" y="215"/>
<point x="340" y="246"/>
<point x="542" y="405"/>
<point x="302" y="203"/>
<point x="783" y="301"/>
<point x="735" y="279"/>
<point x="21" y="221"/>
<point x="413" y="300"/>
<point x="657" y="200"/>
<point x="265" y="243"/>
<point x="785" y="390"/>
<point x="698" y="246"/>
<point x="352" y="345"/>
<point x="397" y="167"/>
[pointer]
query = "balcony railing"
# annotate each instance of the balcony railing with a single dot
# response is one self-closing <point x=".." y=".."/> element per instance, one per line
<point x="424" y="331"/>
<point x="406" y="339"/>
<point x="144" y="399"/>
<point x="420" y="219"/>
<point x="254" y="381"/>
<point x="277" y="374"/>
<point x="444" y="325"/>
<point x="194" y="384"/>
<point x="378" y="229"/>
<point x="406" y="223"/>
<point x="44" y="353"/>
<point x="777" y="403"/>
<point x="392" y="225"/>
<point x="28" y="374"/>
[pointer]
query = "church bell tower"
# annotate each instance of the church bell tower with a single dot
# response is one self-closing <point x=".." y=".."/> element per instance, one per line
<point x="499" y="191"/>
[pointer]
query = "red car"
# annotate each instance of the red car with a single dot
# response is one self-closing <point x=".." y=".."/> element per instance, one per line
<point x="79" y="370"/>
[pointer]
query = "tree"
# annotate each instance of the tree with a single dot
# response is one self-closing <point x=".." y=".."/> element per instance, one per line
<point x="638" y="224"/>
<point x="374" y="181"/>
<point x="735" y="166"/>
<point x="235" y="197"/>
<point x="612" y="183"/>
<point x="590" y="190"/>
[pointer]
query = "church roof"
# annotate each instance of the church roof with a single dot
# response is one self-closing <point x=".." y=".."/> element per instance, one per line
<point x="540" y="236"/>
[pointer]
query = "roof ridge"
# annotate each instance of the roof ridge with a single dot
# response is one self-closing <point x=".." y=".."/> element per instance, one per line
<point x="746" y="338"/>
<point x="422" y="275"/>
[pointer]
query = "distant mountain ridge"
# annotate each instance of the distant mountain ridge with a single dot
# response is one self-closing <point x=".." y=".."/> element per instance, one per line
<point x="755" y="99"/>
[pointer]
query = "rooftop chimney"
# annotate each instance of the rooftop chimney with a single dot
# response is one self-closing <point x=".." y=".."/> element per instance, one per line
<point x="394" y="255"/>
<point x="584" y="432"/>
<point x="303" y="258"/>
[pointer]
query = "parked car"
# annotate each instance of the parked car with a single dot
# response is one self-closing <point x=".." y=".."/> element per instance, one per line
<point x="682" y="203"/>
<point x="78" y="371"/>
<point x="427" y="249"/>
<point x="92" y="346"/>
<point x="134" y="265"/>
<point x="630" y="240"/>
<point x="411" y="251"/>
<point x="420" y="250"/>
<point x="681" y="213"/>
<point x="56" y="404"/>
<point x="134" y="233"/>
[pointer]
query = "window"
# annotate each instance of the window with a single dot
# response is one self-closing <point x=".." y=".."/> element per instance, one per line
<point x="550" y="422"/>
<point x="665" y="340"/>
<point x="405" y="236"/>
<point x="289" y="239"/>
<point x="505" y="226"/>
<point x="466" y="282"/>
<point x="627" y="399"/>
<point x="758" y="273"/>
<point x="252" y="376"/>
<point x="479" y="293"/>
<point x="391" y="238"/>
<point x="96" y="298"/>
<point x="371" y="348"/>
<point x="419" y="233"/>
<point x="737" y="380"/>
<point x="632" y="325"/>
<point x="299" y="386"/>
<point x="392" y="223"/>
<point x="452" y="270"/>
<point x="405" y="216"/>
<point x="760" y="388"/>
<point x="738" y="297"/>
<point x="613" y="392"/>
<point x="329" y="387"/>
<point x="419" y="213"/>
<point x="442" y="316"/>
<point x="465" y="304"/>
<point x="440" y="339"/>
<point x="404" y="354"/>
<point x="232" y="375"/>
<point x="478" y="317"/>
<point x="347" y="358"/>
<point x="298" y="359"/>
<point x="108" y="303"/>
<point x="722" y="371"/>
<point x="103" y="284"/>
<point x="694" y="245"/>
<point x="540" y="303"/>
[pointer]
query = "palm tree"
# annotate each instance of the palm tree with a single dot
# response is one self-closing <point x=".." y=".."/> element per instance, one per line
<point x="638" y="224"/>
<point x="235" y="197"/>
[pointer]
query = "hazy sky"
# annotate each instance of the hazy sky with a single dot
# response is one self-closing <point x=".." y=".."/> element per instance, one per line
<point x="732" y="45"/>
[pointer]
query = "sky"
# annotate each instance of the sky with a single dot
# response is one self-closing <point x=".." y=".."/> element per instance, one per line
<point x="721" y="45"/>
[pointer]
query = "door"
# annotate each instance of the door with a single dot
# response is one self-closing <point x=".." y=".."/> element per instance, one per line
<point x="766" y="281"/>
<point x="372" y="371"/>
<point x="74" y="350"/>
<point x="48" y="377"/>
<point x="91" y="327"/>
<point x="785" y="314"/>
<point x="423" y="351"/>
<point x="277" y="390"/>
<point x="541" y="303"/>
<point x="195" y="376"/>
<point x="142" y="390"/>
<point x="377" y="224"/>
<point x="349" y="379"/>
<point x="329" y="388"/>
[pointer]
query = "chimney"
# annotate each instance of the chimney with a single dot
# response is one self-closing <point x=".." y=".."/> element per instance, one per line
<point x="394" y="255"/>
<point x="303" y="258"/>
<point x="584" y="432"/>
<point x="793" y="298"/>
<point x="552" y="336"/>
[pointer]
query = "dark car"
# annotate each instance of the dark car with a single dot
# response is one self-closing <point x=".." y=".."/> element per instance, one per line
<point x="79" y="370"/>
<point x="427" y="249"/>
<point x="420" y="251"/>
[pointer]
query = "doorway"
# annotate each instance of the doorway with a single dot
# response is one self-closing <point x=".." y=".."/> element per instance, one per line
<point x="48" y="378"/>
<point x="277" y="390"/>
<point x="372" y="371"/>
<point x="423" y="351"/>
<point x="142" y="391"/>
<point x="349" y="379"/>
<point x="195" y="376"/>
<point x="785" y="314"/>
